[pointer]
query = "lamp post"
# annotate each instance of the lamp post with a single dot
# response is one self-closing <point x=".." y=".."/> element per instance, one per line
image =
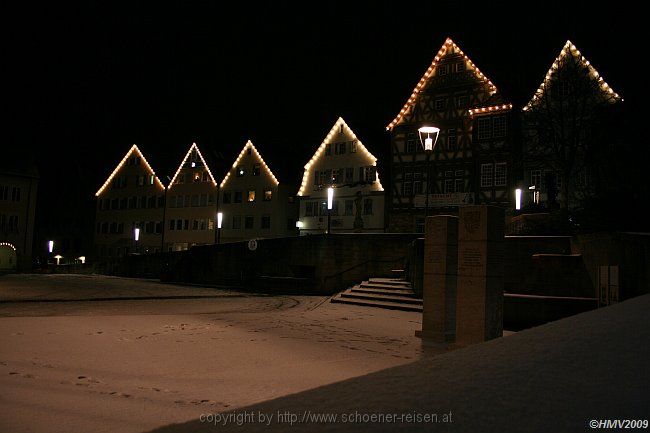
<point x="428" y="139"/>
<point x="330" y="202"/>
<point x="50" y="250"/>
<point x="219" y="222"/>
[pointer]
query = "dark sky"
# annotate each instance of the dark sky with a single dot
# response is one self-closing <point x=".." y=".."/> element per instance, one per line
<point x="87" y="81"/>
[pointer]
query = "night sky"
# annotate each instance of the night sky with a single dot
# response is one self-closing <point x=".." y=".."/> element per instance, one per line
<point x="87" y="81"/>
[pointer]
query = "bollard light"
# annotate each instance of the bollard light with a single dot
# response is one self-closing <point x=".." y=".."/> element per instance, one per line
<point x="136" y="234"/>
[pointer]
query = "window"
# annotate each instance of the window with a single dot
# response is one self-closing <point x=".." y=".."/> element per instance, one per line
<point x="449" y="186"/>
<point x="536" y="178"/>
<point x="353" y="146"/>
<point x="336" y="176"/>
<point x="460" y="67"/>
<point x="195" y="200"/>
<point x="442" y="70"/>
<point x="149" y="227"/>
<point x="268" y="195"/>
<point x="123" y="203"/>
<point x="440" y="104"/>
<point x="309" y="210"/>
<point x="484" y="126"/>
<point x="487" y="173"/>
<point x="328" y="149"/>
<point x="500" y="174"/>
<point x="195" y="224"/>
<point x="463" y="101"/>
<point x="316" y="178"/>
<point x="407" y="188"/>
<point x="172" y="224"/>
<point x="197" y="176"/>
<point x="13" y="222"/>
<point x="241" y="171"/>
<point x="266" y="222"/>
<point x="460" y="185"/>
<point x="115" y="204"/>
<point x="226" y="197"/>
<point x="204" y="176"/>
<point x="349" y="206"/>
<point x="236" y="222"/>
<point x="239" y="196"/>
<point x="340" y="148"/>
<point x="204" y="200"/>
<point x="349" y="175"/>
<point x="368" y="174"/>
<point x="186" y="224"/>
<point x="499" y="126"/>
<point x="15" y="193"/>
<point x="151" y="201"/>
<point x="410" y="145"/>
<point x="256" y="169"/>
<point x="452" y="139"/>
<point x="139" y="180"/>
<point x="151" y="178"/>
<point x="4" y="192"/>
<point x="367" y="206"/>
<point x="161" y="201"/>
<point x="249" y="221"/>
<point x="417" y="187"/>
<point x="251" y="196"/>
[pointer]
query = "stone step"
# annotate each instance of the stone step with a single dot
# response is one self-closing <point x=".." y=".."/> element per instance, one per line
<point x="377" y="304"/>
<point x="403" y="292"/>
<point x="371" y="285"/>
<point x="379" y="297"/>
<point x="388" y="281"/>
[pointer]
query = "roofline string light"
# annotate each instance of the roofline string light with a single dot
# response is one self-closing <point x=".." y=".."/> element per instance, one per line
<point x="187" y="155"/>
<point x="492" y="109"/>
<point x="241" y="154"/>
<point x="337" y="125"/>
<point x="429" y="72"/>
<point x="7" y="244"/>
<point x="573" y="51"/>
<point x="134" y="148"/>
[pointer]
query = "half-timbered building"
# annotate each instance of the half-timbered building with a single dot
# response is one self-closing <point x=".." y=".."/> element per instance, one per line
<point x="345" y="164"/>
<point x="472" y="159"/>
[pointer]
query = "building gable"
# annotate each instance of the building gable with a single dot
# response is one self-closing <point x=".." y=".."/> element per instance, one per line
<point x="244" y="157"/>
<point x="193" y="148"/>
<point x="339" y="129"/>
<point x="136" y="150"/>
<point x="570" y="50"/>
<point x="447" y="52"/>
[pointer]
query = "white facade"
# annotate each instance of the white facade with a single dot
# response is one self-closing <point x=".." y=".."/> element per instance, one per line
<point x="253" y="203"/>
<point x="343" y="163"/>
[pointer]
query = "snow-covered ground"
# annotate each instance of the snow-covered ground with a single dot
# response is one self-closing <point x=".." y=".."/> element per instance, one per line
<point x="106" y="365"/>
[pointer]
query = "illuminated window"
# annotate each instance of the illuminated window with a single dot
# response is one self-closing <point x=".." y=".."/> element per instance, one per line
<point x="151" y="178"/>
<point x="256" y="169"/>
<point x="268" y="195"/>
<point x="251" y="195"/>
<point x="197" y="177"/>
<point x="241" y="171"/>
<point x="487" y="174"/>
<point x="500" y="174"/>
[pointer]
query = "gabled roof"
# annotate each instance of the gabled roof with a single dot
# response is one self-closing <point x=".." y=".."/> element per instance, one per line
<point x="187" y="155"/>
<point x="135" y="149"/>
<point x="448" y="46"/>
<point x="337" y="125"/>
<point x="249" y="144"/>
<point x="571" y="50"/>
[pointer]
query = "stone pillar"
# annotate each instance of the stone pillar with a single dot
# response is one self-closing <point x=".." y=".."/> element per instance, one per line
<point x="479" y="305"/>
<point x="440" y="274"/>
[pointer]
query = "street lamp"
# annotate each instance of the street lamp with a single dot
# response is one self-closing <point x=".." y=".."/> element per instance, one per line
<point x="428" y="139"/>
<point x="219" y="222"/>
<point x="330" y="202"/>
<point x="136" y="237"/>
<point x="50" y="246"/>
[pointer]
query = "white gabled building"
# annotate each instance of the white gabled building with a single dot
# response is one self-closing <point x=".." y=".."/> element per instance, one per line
<point x="253" y="203"/>
<point x="191" y="208"/>
<point x="343" y="163"/>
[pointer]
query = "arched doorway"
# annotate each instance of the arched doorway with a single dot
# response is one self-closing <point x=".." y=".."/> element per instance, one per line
<point x="7" y="257"/>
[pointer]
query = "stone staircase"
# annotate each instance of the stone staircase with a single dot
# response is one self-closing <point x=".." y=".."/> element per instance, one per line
<point x="390" y="293"/>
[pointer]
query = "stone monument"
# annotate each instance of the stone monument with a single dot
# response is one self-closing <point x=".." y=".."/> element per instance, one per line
<point x="440" y="277"/>
<point x="479" y="303"/>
